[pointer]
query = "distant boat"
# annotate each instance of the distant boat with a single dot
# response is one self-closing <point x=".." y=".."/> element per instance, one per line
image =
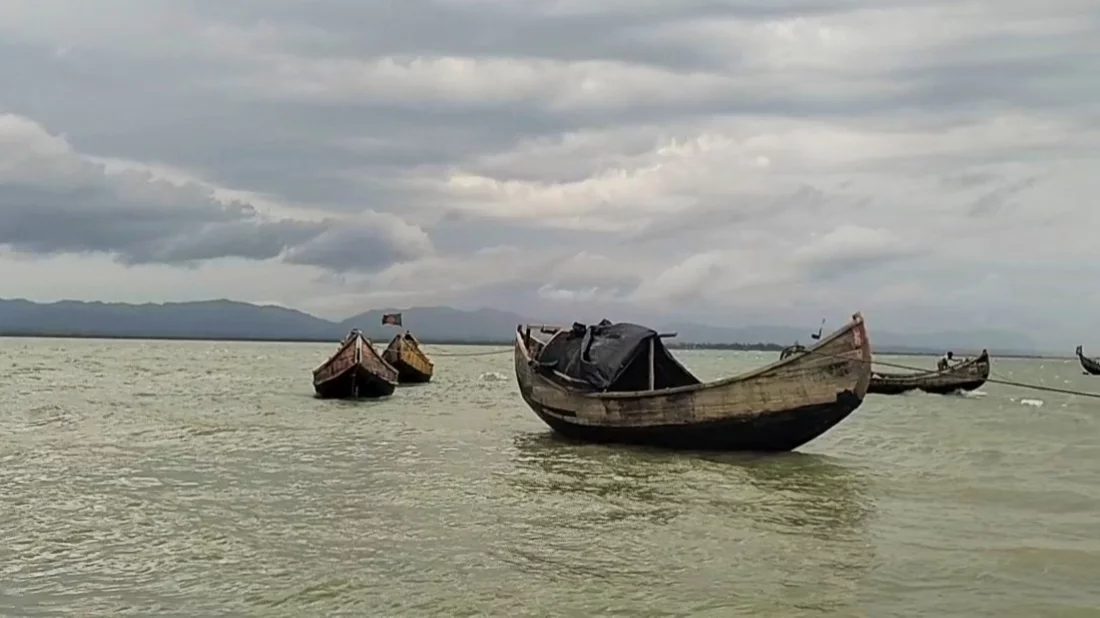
<point x="355" y="371"/>
<point x="1090" y="365"/>
<point x="618" y="383"/>
<point x="966" y="376"/>
<point x="412" y="364"/>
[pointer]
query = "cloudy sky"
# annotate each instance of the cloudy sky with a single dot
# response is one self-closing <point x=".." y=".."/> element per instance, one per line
<point x="728" y="161"/>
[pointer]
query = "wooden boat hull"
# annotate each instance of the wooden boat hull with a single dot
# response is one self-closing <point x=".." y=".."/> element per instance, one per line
<point x="779" y="407"/>
<point x="405" y="355"/>
<point x="355" y="382"/>
<point x="965" y="377"/>
<point x="355" y="371"/>
<point x="1090" y="365"/>
<point x="783" y="431"/>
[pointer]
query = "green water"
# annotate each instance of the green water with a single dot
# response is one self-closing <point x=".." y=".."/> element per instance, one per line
<point x="202" y="479"/>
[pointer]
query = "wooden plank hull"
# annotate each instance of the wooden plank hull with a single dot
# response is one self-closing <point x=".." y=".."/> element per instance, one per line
<point x="967" y="376"/>
<point x="355" y="371"/>
<point x="355" y="382"/>
<point x="779" y="407"/>
<point x="412" y="364"/>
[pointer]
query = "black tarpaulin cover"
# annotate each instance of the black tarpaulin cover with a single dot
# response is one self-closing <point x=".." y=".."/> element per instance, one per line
<point x="613" y="357"/>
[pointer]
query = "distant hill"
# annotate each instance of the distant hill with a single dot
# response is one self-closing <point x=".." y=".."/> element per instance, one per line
<point x="225" y="319"/>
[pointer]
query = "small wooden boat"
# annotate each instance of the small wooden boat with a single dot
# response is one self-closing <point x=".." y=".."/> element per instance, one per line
<point x="355" y="371"/>
<point x="619" y="383"/>
<point x="1090" y="365"/>
<point x="966" y="376"/>
<point x="412" y="364"/>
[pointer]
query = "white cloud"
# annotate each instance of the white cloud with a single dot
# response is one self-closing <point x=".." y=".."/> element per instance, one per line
<point x="923" y="162"/>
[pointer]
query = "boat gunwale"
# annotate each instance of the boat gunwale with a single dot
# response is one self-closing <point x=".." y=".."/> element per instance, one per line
<point x="366" y="345"/>
<point x="338" y="351"/>
<point x="400" y="339"/>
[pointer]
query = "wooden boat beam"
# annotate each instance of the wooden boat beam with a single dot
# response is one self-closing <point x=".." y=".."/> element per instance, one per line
<point x="652" y="365"/>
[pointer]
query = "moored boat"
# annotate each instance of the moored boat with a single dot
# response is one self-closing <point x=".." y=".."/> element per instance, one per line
<point x="619" y="383"/>
<point x="412" y="364"/>
<point x="355" y="371"/>
<point x="968" y="375"/>
<point x="1090" y="365"/>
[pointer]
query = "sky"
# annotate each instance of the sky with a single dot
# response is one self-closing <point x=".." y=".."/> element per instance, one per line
<point x="932" y="164"/>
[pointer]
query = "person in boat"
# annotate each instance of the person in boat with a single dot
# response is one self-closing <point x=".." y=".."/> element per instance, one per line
<point x="945" y="361"/>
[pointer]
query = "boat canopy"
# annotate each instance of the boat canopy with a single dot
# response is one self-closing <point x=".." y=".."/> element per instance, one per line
<point x="612" y="358"/>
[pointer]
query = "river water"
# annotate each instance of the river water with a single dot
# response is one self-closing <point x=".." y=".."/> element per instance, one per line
<point x="203" y="479"/>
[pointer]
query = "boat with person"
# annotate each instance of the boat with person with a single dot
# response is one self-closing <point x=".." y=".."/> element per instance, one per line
<point x="1090" y="365"/>
<point x="619" y="383"/>
<point x="412" y="364"/>
<point x="967" y="375"/>
<point x="355" y="371"/>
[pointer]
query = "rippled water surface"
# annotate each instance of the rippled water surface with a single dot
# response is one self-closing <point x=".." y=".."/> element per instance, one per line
<point x="203" y="479"/>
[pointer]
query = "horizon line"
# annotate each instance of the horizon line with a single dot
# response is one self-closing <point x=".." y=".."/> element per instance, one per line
<point x="759" y="346"/>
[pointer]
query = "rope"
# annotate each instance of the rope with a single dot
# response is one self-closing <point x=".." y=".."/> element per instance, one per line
<point x="991" y="380"/>
<point x="460" y="354"/>
<point x="1037" y="387"/>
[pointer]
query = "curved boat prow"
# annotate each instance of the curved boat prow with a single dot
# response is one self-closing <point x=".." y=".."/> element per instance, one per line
<point x="1090" y="365"/>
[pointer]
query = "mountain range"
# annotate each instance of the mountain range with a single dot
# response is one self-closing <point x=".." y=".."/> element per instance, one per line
<point x="233" y="320"/>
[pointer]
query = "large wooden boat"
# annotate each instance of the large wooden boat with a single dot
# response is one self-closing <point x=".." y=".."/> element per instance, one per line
<point x="412" y="364"/>
<point x="966" y="376"/>
<point x="355" y="371"/>
<point x="618" y="383"/>
<point x="1090" y="365"/>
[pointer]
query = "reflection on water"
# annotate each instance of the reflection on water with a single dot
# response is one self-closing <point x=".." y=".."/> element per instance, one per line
<point x="637" y="485"/>
<point x="797" y="492"/>
<point x="771" y="508"/>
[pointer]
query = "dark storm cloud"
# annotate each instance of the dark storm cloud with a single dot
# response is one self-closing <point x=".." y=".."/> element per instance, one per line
<point x="483" y="121"/>
<point x="184" y="228"/>
<point x="345" y="155"/>
<point x="161" y="106"/>
<point x="612" y="31"/>
<point x="53" y="201"/>
<point x="362" y="246"/>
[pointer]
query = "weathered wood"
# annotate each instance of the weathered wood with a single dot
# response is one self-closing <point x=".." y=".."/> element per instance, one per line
<point x="1090" y="365"/>
<point x="778" y="407"/>
<point x="965" y="376"/>
<point x="412" y="364"/>
<point x="356" y="370"/>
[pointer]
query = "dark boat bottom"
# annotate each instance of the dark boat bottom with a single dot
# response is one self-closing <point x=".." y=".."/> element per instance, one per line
<point x="357" y="383"/>
<point x="783" y="431"/>
<point x="879" y="389"/>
